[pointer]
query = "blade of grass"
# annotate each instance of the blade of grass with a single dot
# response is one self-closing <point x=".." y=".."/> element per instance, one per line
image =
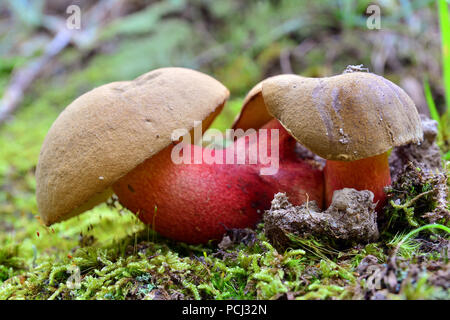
<point x="444" y="19"/>
<point x="431" y="105"/>
<point x="414" y="232"/>
<point x="445" y="38"/>
<point x="425" y="227"/>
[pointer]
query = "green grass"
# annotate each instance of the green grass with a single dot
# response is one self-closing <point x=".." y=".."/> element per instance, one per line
<point x="442" y="120"/>
<point x="430" y="101"/>
<point x="405" y="245"/>
<point x="444" y="20"/>
<point x="425" y="227"/>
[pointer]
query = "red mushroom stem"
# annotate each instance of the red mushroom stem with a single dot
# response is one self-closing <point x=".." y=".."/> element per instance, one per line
<point x="198" y="202"/>
<point x="366" y="174"/>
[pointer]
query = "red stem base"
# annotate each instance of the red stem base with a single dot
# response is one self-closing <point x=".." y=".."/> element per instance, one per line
<point x="366" y="174"/>
<point x="195" y="203"/>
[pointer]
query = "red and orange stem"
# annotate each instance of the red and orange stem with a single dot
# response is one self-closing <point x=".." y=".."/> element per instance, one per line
<point x="366" y="174"/>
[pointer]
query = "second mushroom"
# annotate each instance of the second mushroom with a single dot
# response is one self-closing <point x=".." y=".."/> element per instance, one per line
<point x="352" y="120"/>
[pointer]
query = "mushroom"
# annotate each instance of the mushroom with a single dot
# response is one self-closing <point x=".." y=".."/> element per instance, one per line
<point x="352" y="120"/>
<point x="119" y="138"/>
<point x="108" y="131"/>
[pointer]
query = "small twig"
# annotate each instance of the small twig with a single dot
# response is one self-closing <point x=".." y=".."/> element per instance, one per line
<point x="211" y="54"/>
<point x="406" y="207"/>
<point x="303" y="48"/>
<point x="307" y="210"/>
<point x="285" y="61"/>
<point x="24" y="77"/>
<point x="355" y="68"/>
<point x="411" y="201"/>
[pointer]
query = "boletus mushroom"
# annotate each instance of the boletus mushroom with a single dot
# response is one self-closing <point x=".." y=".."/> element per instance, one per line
<point x="119" y="138"/>
<point x="352" y="120"/>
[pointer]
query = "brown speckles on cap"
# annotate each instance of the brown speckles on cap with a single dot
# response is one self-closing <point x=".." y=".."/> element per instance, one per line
<point x="346" y="117"/>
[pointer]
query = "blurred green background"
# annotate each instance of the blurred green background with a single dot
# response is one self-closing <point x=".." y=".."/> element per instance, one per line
<point x="237" y="42"/>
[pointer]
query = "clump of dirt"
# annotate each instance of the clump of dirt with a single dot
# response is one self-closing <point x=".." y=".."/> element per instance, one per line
<point x="425" y="155"/>
<point x="234" y="237"/>
<point x="417" y="197"/>
<point x="228" y="246"/>
<point x="418" y="194"/>
<point x="351" y="218"/>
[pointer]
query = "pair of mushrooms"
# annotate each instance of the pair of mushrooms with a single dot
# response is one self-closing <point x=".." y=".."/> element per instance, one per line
<point x="117" y="139"/>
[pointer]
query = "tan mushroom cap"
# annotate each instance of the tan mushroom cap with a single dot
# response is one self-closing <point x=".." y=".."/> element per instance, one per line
<point x="108" y="131"/>
<point x="253" y="113"/>
<point x="345" y="117"/>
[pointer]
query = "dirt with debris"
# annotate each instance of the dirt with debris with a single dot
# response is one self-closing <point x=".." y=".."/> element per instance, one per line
<point x="382" y="279"/>
<point x="425" y="155"/>
<point x="419" y="183"/>
<point x="350" y="218"/>
<point x="421" y="192"/>
<point x="233" y="237"/>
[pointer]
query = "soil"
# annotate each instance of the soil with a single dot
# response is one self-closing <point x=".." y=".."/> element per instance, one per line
<point x="425" y="155"/>
<point x="350" y="218"/>
<point x="383" y="279"/>
<point x="414" y="167"/>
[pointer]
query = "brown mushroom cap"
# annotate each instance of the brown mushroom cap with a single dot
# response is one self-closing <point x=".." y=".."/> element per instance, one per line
<point x="254" y="113"/>
<point x="108" y="131"/>
<point x="345" y="117"/>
